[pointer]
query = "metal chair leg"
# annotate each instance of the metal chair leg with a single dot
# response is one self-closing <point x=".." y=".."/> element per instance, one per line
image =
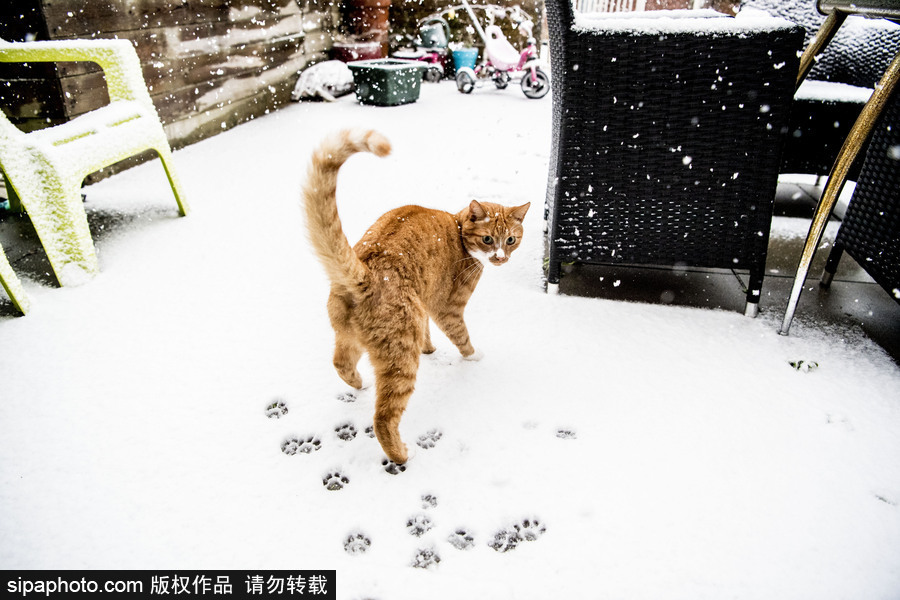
<point x="848" y="154"/>
<point x="754" y="291"/>
<point x="834" y="259"/>
<point x="817" y="45"/>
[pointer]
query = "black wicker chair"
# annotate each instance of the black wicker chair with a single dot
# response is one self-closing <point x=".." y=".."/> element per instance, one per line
<point x="870" y="229"/>
<point x="666" y="145"/>
<point x="857" y="56"/>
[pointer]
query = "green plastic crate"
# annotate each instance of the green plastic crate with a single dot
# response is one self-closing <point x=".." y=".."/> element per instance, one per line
<point x="387" y="81"/>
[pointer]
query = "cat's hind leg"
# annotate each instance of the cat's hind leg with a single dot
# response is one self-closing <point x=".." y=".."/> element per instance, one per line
<point x="394" y="384"/>
<point x="347" y="353"/>
<point x="428" y="347"/>
<point x="347" y="348"/>
<point x="396" y="362"/>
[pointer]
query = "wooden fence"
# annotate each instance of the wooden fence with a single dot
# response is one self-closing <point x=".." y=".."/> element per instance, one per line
<point x="209" y="64"/>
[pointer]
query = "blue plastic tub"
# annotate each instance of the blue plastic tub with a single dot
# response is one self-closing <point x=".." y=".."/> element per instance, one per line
<point x="465" y="57"/>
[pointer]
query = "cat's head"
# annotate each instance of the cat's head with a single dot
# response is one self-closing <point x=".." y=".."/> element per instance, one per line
<point x="491" y="232"/>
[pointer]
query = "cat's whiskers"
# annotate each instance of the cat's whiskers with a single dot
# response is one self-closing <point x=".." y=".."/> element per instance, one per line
<point x="472" y="271"/>
<point x="469" y="271"/>
<point x="465" y="258"/>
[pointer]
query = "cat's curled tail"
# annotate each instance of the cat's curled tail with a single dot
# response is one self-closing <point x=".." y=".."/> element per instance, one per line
<point x="343" y="267"/>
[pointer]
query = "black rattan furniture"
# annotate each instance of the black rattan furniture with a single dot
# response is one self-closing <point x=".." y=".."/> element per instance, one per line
<point x="871" y="114"/>
<point x="816" y="132"/>
<point x="824" y="112"/>
<point x="667" y="136"/>
<point x="858" y="54"/>
<point x="870" y="229"/>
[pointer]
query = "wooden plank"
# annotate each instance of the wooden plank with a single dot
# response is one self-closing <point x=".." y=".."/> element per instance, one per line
<point x="186" y="86"/>
<point x="197" y="40"/>
<point x="190" y="129"/>
<point x="29" y="93"/>
<point x="317" y="45"/>
<point x="188" y="70"/>
<point x="220" y="91"/>
<point x="33" y="124"/>
<point x="84" y="93"/>
<point x="209" y="64"/>
<point x="69" y="18"/>
<point x="21" y="20"/>
<point x="206" y="54"/>
<point x="9" y="71"/>
<point x="24" y="99"/>
<point x="76" y="18"/>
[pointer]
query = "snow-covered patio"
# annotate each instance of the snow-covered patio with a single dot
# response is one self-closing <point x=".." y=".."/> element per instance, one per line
<point x="655" y="451"/>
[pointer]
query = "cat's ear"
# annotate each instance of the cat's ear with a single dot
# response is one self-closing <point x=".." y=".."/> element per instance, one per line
<point x="476" y="211"/>
<point x="518" y="213"/>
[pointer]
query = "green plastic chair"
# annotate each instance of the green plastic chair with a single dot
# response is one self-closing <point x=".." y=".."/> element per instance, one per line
<point x="45" y="169"/>
<point x="12" y="285"/>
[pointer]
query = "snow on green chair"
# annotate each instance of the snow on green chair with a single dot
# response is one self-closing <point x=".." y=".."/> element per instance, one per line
<point x="45" y="169"/>
<point x="11" y="284"/>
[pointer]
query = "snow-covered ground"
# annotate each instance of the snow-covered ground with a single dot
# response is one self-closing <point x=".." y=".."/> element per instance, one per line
<point x="656" y="452"/>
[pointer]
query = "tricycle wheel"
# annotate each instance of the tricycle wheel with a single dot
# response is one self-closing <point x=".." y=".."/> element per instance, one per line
<point x="434" y="73"/>
<point x="501" y="80"/>
<point x="465" y="80"/>
<point x="538" y="87"/>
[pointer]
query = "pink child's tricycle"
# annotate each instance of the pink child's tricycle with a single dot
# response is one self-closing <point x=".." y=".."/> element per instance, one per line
<point x="502" y="62"/>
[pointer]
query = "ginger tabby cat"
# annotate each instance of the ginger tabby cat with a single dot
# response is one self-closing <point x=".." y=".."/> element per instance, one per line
<point x="412" y="264"/>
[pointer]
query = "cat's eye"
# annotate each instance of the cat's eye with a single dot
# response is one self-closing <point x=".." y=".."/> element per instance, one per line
<point x="511" y="240"/>
<point x="488" y="240"/>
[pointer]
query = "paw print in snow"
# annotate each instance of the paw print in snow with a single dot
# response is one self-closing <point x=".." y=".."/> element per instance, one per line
<point x="347" y="397"/>
<point x="429" y="439"/>
<point x="566" y="434"/>
<point x="461" y="539"/>
<point x="804" y="366"/>
<point x="504" y="540"/>
<point x="335" y="481"/>
<point x="426" y="559"/>
<point x="845" y="423"/>
<point x="276" y="410"/>
<point x="369" y="431"/>
<point x="294" y="445"/>
<point x="886" y="500"/>
<point x="392" y="467"/>
<point x="418" y="525"/>
<point x="345" y="432"/>
<point x="429" y="501"/>
<point x="529" y="530"/>
<point x="357" y="544"/>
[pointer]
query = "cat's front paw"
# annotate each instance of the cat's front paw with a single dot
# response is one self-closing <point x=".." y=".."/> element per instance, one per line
<point x="398" y="455"/>
<point x="475" y="356"/>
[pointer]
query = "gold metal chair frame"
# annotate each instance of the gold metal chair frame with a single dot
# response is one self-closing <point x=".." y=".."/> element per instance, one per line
<point x="838" y="10"/>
